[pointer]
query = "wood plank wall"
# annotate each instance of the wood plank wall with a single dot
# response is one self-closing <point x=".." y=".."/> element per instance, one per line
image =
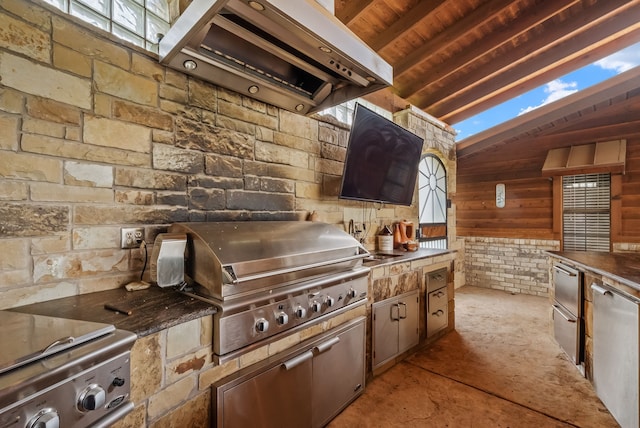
<point x="528" y="211"/>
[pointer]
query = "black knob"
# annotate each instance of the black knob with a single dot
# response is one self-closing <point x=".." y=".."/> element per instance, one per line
<point x="118" y="381"/>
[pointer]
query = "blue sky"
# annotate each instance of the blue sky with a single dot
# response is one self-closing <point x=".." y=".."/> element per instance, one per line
<point x="552" y="91"/>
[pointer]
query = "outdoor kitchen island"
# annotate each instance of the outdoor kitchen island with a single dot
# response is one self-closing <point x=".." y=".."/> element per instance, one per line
<point x="608" y="292"/>
<point x="171" y="364"/>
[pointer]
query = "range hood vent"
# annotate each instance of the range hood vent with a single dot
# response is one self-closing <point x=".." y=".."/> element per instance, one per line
<point x="291" y="54"/>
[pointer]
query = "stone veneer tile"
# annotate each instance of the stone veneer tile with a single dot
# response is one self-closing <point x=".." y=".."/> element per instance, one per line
<point x="87" y="42"/>
<point x="32" y="220"/>
<point x="50" y="244"/>
<point x="136" y="419"/>
<point x="247" y="115"/>
<point x="30" y="167"/>
<point x="183" y="338"/>
<point x="53" y="111"/>
<point x="210" y="376"/>
<point x="89" y="238"/>
<point x="26" y="295"/>
<point x="170" y="397"/>
<point x="147" y="116"/>
<point x="74" y="150"/>
<point x="9" y="125"/>
<point x="35" y="79"/>
<point x="285" y="343"/>
<point x="298" y="125"/>
<point x="24" y="39"/>
<point x="175" y="159"/>
<point x="15" y="254"/>
<point x="187" y="365"/>
<point x="75" y="265"/>
<point x="117" y="134"/>
<point x="129" y="214"/>
<point x="146" y="367"/>
<point x="88" y="174"/>
<point x="254" y="356"/>
<point x="196" y="413"/>
<point x="57" y="192"/>
<point x="14" y="191"/>
<point x="70" y="60"/>
<point x="122" y="84"/>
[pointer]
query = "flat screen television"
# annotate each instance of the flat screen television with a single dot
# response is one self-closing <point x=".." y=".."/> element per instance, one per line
<point x="382" y="160"/>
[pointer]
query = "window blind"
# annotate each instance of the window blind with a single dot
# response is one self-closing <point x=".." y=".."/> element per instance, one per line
<point x="586" y="219"/>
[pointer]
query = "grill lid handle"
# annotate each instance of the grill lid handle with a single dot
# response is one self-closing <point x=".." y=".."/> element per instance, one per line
<point x="60" y="342"/>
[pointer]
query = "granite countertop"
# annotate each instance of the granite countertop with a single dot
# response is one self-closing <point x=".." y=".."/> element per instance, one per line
<point x="156" y="309"/>
<point x="621" y="267"/>
<point x="378" y="258"/>
<point x="152" y="310"/>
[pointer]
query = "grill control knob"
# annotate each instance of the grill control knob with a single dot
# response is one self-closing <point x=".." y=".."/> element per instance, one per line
<point x="45" y="418"/>
<point x="92" y="398"/>
<point x="316" y="306"/>
<point x="282" y="318"/>
<point x="352" y="293"/>
<point x="301" y="312"/>
<point x="330" y="301"/>
<point x="262" y="325"/>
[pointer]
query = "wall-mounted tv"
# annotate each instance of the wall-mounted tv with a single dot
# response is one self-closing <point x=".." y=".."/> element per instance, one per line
<point x="382" y="160"/>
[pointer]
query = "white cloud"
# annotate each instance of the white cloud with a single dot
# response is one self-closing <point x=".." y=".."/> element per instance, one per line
<point x="555" y="90"/>
<point x="621" y="61"/>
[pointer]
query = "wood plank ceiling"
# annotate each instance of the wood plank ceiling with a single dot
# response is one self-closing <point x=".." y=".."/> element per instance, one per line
<point x="456" y="58"/>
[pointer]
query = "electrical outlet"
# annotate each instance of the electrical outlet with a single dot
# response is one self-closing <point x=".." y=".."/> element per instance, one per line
<point x="131" y="237"/>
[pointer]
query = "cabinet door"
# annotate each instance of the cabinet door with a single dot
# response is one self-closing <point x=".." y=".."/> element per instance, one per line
<point x="385" y="331"/>
<point x="408" y="334"/>
<point x="615" y="354"/>
<point x="338" y="373"/>
<point x="279" y="397"/>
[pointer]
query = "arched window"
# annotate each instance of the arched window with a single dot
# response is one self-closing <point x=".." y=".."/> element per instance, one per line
<point x="140" y="22"/>
<point x="432" y="201"/>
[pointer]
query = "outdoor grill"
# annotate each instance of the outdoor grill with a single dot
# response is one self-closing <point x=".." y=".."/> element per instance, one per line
<point x="270" y="278"/>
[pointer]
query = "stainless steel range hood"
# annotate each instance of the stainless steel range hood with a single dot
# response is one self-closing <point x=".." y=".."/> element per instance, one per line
<point x="291" y="54"/>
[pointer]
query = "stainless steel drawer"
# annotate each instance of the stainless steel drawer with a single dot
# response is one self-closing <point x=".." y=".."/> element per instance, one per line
<point x="568" y="287"/>
<point x="566" y="328"/>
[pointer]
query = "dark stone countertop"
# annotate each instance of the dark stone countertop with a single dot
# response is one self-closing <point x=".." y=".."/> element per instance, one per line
<point x="156" y="309"/>
<point x="378" y="258"/>
<point x="621" y="267"/>
<point x="152" y="310"/>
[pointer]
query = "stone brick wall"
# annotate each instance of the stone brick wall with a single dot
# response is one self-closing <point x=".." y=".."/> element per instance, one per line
<point x="513" y="265"/>
<point x="96" y="135"/>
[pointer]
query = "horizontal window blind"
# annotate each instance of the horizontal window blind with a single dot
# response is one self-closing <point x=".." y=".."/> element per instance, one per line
<point x="586" y="219"/>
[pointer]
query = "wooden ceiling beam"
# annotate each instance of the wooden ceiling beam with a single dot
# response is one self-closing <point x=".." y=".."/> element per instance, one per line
<point x="512" y="73"/>
<point x="445" y="39"/>
<point x="620" y="84"/>
<point x="522" y="24"/>
<point x="348" y="11"/>
<point x="587" y="135"/>
<point x="482" y="101"/>
<point x="420" y="12"/>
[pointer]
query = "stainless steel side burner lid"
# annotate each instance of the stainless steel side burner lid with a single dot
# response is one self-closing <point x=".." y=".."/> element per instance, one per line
<point x="58" y="372"/>
<point x="25" y="337"/>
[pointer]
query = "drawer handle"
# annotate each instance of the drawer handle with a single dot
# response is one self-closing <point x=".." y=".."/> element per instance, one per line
<point x="297" y="360"/>
<point x="564" y="271"/>
<point x="404" y="305"/>
<point x="438" y="313"/>
<point x="324" y="346"/>
<point x="563" y="314"/>
<point x="595" y="287"/>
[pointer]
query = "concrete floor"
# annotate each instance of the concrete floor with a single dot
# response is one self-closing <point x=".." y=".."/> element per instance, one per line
<point x="500" y="368"/>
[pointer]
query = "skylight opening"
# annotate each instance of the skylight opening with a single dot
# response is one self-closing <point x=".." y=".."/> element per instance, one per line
<point x="568" y="84"/>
